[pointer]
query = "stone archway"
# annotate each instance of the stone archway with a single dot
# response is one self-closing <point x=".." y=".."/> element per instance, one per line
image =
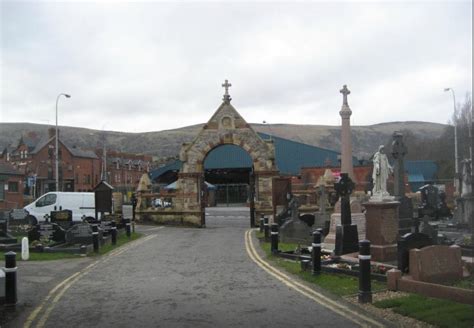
<point x="226" y="126"/>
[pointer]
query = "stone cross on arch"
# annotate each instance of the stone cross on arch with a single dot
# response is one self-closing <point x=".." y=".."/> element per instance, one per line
<point x="226" y="85"/>
<point x="345" y="92"/>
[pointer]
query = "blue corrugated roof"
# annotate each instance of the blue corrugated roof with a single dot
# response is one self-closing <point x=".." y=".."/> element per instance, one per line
<point x="416" y="177"/>
<point x="227" y="157"/>
<point x="290" y="157"/>
<point x="427" y="168"/>
<point x="176" y="165"/>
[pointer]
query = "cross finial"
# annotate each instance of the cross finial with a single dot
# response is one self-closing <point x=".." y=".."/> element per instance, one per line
<point x="344" y="92"/>
<point x="226" y="85"/>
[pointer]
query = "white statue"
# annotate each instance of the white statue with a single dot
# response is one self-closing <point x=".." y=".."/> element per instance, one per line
<point x="466" y="178"/>
<point x="380" y="174"/>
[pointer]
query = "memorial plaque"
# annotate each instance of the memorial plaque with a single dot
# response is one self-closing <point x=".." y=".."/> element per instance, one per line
<point x="79" y="234"/>
<point x="18" y="214"/>
<point x="63" y="218"/>
<point x="127" y="211"/>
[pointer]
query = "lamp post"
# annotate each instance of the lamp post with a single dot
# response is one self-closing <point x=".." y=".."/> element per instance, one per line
<point x="269" y="128"/>
<point x="456" y="166"/>
<point x="57" y="143"/>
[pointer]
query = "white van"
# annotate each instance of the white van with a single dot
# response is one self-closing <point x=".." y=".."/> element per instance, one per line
<point x="80" y="203"/>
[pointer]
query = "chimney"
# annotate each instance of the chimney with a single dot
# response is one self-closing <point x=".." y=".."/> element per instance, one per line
<point x="52" y="132"/>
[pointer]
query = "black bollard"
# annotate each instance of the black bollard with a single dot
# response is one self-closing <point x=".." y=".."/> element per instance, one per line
<point x="95" y="237"/>
<point x="262" y="221"/>
<point x="316" y="253"/>
<point x="274" y="238"/>
<point x="266" y="229"/>
<point x="127" y="227"/>
<point x="365" y="291"/>
<point x="10" y="279"/>
<point x="113" y="233"/>
<point x="304" y="265"/>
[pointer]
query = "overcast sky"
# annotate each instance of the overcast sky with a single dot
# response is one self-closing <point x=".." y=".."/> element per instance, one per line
<point x="153" y="66"/>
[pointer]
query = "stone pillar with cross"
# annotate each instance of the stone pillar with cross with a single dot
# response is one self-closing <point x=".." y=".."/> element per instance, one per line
<point x="346" y="137"/>
<point x="399" y="150"/>
<point x="226" y="85"/>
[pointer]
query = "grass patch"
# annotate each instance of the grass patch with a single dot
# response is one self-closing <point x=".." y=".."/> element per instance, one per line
<point x="338" y="284"/>
<point x="121" y="240"/>
<point x="442" y="313"/>
<point x="48" y="256"/>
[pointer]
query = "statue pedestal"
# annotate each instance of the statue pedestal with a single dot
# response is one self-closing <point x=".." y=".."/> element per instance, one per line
<point x="382" y="229"/>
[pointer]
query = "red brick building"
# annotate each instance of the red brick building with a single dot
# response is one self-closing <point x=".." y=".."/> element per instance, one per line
<point x="79" y="170"/>
<point x="11" y="187"/>
<point x="124" y="170"/>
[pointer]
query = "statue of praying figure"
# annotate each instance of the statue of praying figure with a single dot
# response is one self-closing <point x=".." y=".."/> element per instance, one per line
<point x="380" y="174"/>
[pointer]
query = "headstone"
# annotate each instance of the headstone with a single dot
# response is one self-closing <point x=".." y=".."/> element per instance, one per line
<point x="47" y="231"/>
<point x="62" y="218"/>
<point x="407" y="242"/>
<point x="295" y="230"/>
<point x="18" y="214"/>
<point x="429" y="201"/>
<point x="5" y="237"/>
<point x="79" y="234"/>
<point x="347" y="240"/>
<point x="436" y="264"/>
<point x="308" y="219"/>
<point x="428" y="229"/>
<point x="322" y="215"/>
<point x="443" y="209"/>
<point x="357" y="218"/>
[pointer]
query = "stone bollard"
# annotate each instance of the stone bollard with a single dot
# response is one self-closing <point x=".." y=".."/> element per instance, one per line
<point x="274" y="238"/>
<point x="365" y="291"/>
<point x="10" y="279"/>
<point x="127" y="227"/>
<point x="95" y="237"/>
<point x="113" y="233"/>
<point x="262" y="222"/>
<point x="266" y="229"/>
<point x="304" y="265"/>
<point x="316" y="253"/>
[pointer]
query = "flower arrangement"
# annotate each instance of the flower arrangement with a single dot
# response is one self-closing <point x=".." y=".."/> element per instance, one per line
<point x="380" y="269"/>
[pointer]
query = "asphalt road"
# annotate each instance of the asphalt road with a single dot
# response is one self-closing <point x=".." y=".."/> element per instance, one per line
<point x="176" y="277"/>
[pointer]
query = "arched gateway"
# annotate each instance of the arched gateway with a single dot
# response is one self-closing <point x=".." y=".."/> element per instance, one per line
<point x="226" y="126"/>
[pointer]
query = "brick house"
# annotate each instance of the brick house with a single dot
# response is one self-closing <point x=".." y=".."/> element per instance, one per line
<point x="124" y="170"/>
<point x="11" y="187"/>
<point x="79" y="170"/>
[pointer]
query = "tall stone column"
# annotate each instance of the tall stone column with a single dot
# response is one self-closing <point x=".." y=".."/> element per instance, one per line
<point x="346" y="137"/>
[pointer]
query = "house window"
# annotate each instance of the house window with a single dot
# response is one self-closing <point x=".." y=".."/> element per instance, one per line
<point x="2" y="191"/>
<point x="13" y="186"/>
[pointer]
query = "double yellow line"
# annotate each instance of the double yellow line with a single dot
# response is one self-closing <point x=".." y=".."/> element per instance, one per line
<point x="332" y="305"/>
<point x="45" y="308"/>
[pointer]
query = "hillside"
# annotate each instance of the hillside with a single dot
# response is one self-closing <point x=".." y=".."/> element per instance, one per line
<point x="167" y="143"/>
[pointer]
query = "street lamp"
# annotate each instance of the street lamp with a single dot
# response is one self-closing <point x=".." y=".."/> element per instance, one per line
<point x="456" y="167"/>
<point x="269" y="128"/>
<point x="57" y="143"/>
